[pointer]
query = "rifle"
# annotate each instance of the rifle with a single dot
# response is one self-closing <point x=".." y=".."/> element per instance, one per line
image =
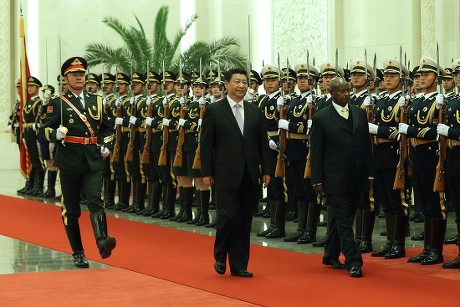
<point x="178" y="159"/>
<point x="116" y="147"/>
<point x="197" y="160"/>
<point x="132" y="135"/>
<point x="370" y="107"/>
<point x="439" y="183"/>
<point x="311" y="112"/>
<point x="148" y="138"/>
<point x="280" y="169"/>
<point x="400" y="180"/>
<point x="162" y="160"/>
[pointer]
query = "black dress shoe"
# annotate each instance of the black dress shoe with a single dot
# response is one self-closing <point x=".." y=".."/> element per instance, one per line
<point x="397" y="251"/>
<point x="454" y="264"/>
<point x="320" y="243"/>
<point x="419" y="237"/>
<point x="434" y="257"/>
<point x="242" y="273"/>
<point x="322" y="224"/>
<point x="365" y="247"/>
<point x="276" y="233"/>
<point x="265" y="232"/>
<point x="420" y="257"/>
<point x="452" y="240"/>
<point x="356" y="271"/>
<point x="211" y="225"/>
<point x="105" y="246"/>
<point x="334" y="263"/>
<point x="220" y="267"/>
<point x="79" y="260"/>
<point x="382" y="252"/>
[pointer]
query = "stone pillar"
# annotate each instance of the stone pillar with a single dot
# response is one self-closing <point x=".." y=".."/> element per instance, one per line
<point x="5" y="63"/>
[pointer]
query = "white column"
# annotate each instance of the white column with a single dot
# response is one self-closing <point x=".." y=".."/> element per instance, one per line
<point x="6" y="82"/>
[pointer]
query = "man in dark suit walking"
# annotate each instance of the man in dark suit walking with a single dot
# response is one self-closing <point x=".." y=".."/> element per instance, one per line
<point x="342" y="167"/>
<point x="233" y="144"/>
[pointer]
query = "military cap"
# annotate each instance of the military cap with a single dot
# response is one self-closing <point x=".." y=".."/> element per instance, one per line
<point x="185" y="78"/>
<point x="154" y="76"/>
<point x="269" y="71"/>
<point x="328" y="68"/>
<point x="93" y="78"/>
<point x="138" y="77"/>
<point x="199" y="81"/>
<point x="255" y="77"/>
<point x="456" y="66"/>
<point x="448" y="74"/>
<point x="60" y="79"/>
<point x="358" y="67"/>
<point x="427" y="64"/>
<point x="292" y="74"/>
<point x="74" y="64"/>
<point x="108" y="78"/>
<point x="169" y="76"/>
<point x="319" y="78"/>
<point x="211" y="75"/>
<point x="347" y="74"/>
<point x="34" y="81"/>
<point x="393" y="66"/>
<point x="379" y="76"/>
<point x="194" y="75"/>
<point x="220" y="81"/>
<point x="302" y="70"/>
<point x="49" y="88"/>
<point x="122" y="78"/>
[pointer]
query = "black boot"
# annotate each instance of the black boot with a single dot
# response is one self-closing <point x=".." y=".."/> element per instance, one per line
<point x="454" y="264"/>
<point x="74" y="237"/>
<point x="368" y="227"/>
<point x="26" y="187"/>
<point x="212" y="204"/>
<point x="110" y="200"/>
<point x="125" y="193"/>
<point x="426" y="244"/>
<point x="170" y="200"/>
<point x="390" y="226"/>
<point x="451" y="240"/>
<point x="204" y="219"/>
<point x="199" y="208"/>
<point x="105" y="243"/>
<point x="438" y="231"/>
<point x="301" y="224"/>
<point x="154" y="199"/>
<point x="142" y="190"/>
<point x="398" y="249"/>
<point x="279" y="221"/>
<point x="50" y="192"/>
<point x="30" y="183"/>
<point x="271" y="205"/>
<point x="135" y="204"/>
<point x="309" y="236"/>
<point x="39" y="175"/>
<point x="265" y="212"/>
<point x="178" y="216"/>
<point x="188" y="200"/>
<point x="358" y="226"/>
<point x="162" y="211"/>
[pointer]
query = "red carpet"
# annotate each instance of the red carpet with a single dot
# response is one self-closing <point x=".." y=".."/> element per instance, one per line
<point x="282" y="278"/>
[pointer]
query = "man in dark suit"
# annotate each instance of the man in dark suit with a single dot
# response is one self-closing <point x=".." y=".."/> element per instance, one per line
<point x="342" y="168"/>
<point x="233" y="144"/>
<point x="77" y="124"/>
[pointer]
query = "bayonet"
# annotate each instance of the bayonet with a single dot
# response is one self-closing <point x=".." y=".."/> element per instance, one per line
<point x="288" y="81"/>
<point x="439" y="69"/>
<point x="401" y="76"/>
<point x="376" y="80"/>
<point x="279" y="75"/>
<point x="337" y="62"/>
<point x="249" y="54"/>
<point x="368" y="85"/>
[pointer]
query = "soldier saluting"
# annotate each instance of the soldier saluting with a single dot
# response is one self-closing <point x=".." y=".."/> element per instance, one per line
<point x="77" y="124"/>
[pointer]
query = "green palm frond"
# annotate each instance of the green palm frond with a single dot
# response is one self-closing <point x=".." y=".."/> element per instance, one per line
<point x="160" y="40"/>
<point x="97" y="53"/>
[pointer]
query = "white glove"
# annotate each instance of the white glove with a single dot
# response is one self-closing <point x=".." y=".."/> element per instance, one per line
<point x="402" y="128"/>
<point x="309" y="123"/>
<point x="249" y="96"/>
<point x="51" y="146"/>
<point x="181" y="122"/>
<point x="165" y="101"/>
<point x="368" y="101"/>
<point x="309" y="99"/>
<point x="212" y="99"/>
<point x="402" y="101"/>
<point x="272" y="145"/>
<point x="373" y="128"/>
<point x="287" y="97"/>
<point x="61" y="132"/>
<point x="442" y="129"/>
<point x="104" y="101"/>
<point x="105" y="152"/>
<point x="283" y="124"/>
<point x="200" y="121"/>
<point x="119" y="121"/>
<point x="166" y="122"/>
<point x="16" y="125"/>
<point x="148" y="100"/>
<point x="148" y="121"/>
<point x="118" y="102"/>
<point x="36" y="126"/>
<point x="182" y="100"/>
<point x="439" y="101"/>
<point x="132" y="120"/>
<point x="201" y="101"/>
<point x="9" y="128"/>
<point x="280" y="101"/>
<point x="131" y="101"/>
<point x="47" y="95"/>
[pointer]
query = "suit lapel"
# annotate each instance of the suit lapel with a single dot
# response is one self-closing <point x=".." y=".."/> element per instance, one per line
<point x="335" y="116"/>
<point x="227" y="111"/>
<point x="355" y="117"/>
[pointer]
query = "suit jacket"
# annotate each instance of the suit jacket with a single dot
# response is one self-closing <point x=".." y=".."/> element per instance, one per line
<point x="225" y="151"/>
<point x="71" y="156"/>
<point x="341" y="157"/>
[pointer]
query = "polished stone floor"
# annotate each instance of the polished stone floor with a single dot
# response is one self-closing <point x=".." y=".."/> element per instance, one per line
<point x="17" y="256"/>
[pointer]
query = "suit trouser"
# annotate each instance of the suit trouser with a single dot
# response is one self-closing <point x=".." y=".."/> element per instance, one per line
<point x="454" y="183"/>
<point x="341" y="211"/>
<point x="234" y="218"/>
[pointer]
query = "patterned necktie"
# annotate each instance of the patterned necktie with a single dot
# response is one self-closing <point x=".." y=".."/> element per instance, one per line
<point x="238" y="117"/>
<point x="344" y="113"/>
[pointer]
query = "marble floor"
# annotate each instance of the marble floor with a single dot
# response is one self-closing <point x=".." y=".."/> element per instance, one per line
<point x="17" y="256"/>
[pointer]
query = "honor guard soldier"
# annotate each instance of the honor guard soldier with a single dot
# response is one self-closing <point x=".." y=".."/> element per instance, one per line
<point x="150" y="158"/>
<point x="63" y="86"/>
<point x="268" y="104"/>
<point x="297" y="124"/>
<point x="110" y="109"/>
<point x="137" y="114"/>
<point x="451" y="129"/>
<point x="288" y="82"/>
<point x="92" y="83"/>
<point x="328" y="72"/>
<point x="421" y="129"/>
<point x="123" y="83"/>
<point x="359" y="79"/>
<point x="30" y="116"/>
<point x="13" y="120"/>
<point x="168" y="121"/>
<point x="253" y="91"/>
<point x="77" y="124"/>
<point x="386" y="157"/>
<point x="217" y="89"/>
